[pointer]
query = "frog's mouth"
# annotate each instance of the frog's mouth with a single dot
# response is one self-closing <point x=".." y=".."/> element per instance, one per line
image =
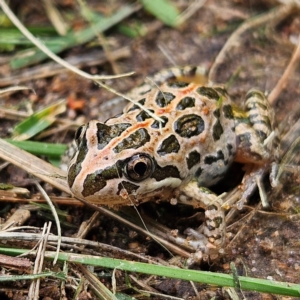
<point x="125" y="199"/>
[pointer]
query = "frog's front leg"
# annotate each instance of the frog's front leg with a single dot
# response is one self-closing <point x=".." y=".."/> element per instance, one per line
<point x="210" y="237"/>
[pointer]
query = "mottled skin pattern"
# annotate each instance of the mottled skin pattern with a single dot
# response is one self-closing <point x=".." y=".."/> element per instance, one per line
<point x="133" y="158"/>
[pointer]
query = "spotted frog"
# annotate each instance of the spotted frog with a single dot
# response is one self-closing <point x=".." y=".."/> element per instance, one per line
<point x="177" y="139"/>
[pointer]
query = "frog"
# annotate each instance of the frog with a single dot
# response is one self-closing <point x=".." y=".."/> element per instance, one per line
<point x="176" y="139"/>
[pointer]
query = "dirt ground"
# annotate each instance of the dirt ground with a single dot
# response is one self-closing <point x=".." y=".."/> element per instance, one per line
<point x="261" y="243"/>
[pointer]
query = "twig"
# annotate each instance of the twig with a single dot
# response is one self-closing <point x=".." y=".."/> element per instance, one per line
<point x="277" y="13"/>
<point x="192" y="9"/>
<point x="281" y="84"/>
<point x="54" y="213"/>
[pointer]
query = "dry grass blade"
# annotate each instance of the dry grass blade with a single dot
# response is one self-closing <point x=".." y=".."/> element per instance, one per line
<point x="12" y="114"/>
<point x="143" y="284"/>
<point x="97" y="286"/>
<point x="14" y="89"/>
<point x="34" y="165"/>
<point x="49" y="69"/>
<point x="162" y="241"/>
<point x="86" y="226"/>
<point x="12" y="197"/>
<point x="33" y="292"/>
<point x="18" y="218"/>
<point x="72" y="243"/>
<point x="55" y="17"/>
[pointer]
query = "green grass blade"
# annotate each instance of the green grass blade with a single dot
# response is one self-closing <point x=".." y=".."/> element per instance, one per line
<point x="39" y="148"/>
<point x="5" y="278"/>
<point x="12" y="36"/>
<point x="218" y="279"/>
<point x="163" y="10"/>
<point x="38" y="121"/>
<point x="59" y="44"/>
<point x="134" y="30"/>
<point x="52" y="151"/>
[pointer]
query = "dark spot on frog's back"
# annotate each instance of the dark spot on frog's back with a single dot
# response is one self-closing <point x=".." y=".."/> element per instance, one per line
<point x="208" y="92"/>
<point x="164" y="99"/>
<point x="217" y="128"/>
<point x="193" y="159"/>
<point x="143" y="115"/>
<point x="95" y="182"/>
<point x="185" y="103"/>
<point x="106" y="133"/>
<point x="157" y="124"/>
<point x="169" y="145"/>
<point x="228" y="112"/>
<point x="134" y="141"/>
<point x="189" y="125"/>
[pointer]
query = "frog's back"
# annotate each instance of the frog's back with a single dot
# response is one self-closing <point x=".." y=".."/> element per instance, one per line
<point x="140" y="154"/>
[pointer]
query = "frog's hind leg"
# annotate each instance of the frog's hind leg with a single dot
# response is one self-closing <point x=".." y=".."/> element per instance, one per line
<point x="260" y="113"/>
<point x="255" y="142"/>
<point x="254" y="129"/>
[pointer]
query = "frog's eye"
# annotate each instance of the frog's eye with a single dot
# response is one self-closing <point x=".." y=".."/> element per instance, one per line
<point x="139" y="167"/>
<point x="79" y="133"/>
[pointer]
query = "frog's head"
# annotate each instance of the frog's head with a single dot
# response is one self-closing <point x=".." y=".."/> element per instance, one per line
<point x="114" y="165"/>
